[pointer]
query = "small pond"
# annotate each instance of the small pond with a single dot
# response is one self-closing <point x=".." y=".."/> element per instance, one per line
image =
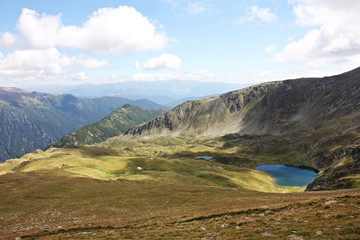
<point x="287" y="175"/>
<point x="207" y="158"/>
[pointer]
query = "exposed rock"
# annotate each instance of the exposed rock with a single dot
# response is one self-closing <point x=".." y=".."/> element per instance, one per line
<point x="331" y="202"/>
<point x="266" y="234"/>
<point x="294" y="237"/>
<point x="224" y="225"/>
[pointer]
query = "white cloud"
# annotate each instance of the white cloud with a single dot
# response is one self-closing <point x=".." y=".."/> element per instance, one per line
<point x="7" y="40"/>
<point x="190" y="7"/>
<point x="270" y="49"/>
<point x="197" y="8"/>
<point x="108" y="31"/>
<point x="42" y="63"/>
<point x="258" y="14"/>
<point x="93" y="63"/>
<point x="333" y="37"/>
<point x="34" y="62"/>
<point x="39" y="31"/>
<point x="165" y="60"/>
<point x="80" y="76"/>
<point x="200" y="75"/>
<point x="262" y="14"/>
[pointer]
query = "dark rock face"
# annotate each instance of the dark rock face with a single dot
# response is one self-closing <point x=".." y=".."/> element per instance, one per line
<point x="31" y="120"/>
<point x="335" y="177"/>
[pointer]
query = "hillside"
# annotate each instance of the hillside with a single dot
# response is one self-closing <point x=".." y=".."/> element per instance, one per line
<point x="31" y="120"/>
<point x="53" y="207"/>
<point x="270" y="108"/>
<point x="315" y="121"/>
<point x="112" y="125"/>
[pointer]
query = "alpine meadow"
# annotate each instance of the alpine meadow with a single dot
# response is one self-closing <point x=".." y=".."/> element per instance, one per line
<point x="180" y="120"/>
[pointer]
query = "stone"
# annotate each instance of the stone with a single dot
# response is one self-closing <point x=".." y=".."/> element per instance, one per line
<point x="294" y="237"/>
<point x="267" y="234"/>
<point x="331" y="202"/>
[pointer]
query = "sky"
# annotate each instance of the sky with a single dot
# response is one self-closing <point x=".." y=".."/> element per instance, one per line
<point x="44" y="42"/>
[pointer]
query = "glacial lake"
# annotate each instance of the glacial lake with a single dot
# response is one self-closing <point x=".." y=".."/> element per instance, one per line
<point x="286" y="175"/>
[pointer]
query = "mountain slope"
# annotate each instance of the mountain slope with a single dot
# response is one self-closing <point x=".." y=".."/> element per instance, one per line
<point x="112" y="125"/>
<point x="31" y="120"/>
<point x="270" y="108"/>
<point x="316" y="121"/>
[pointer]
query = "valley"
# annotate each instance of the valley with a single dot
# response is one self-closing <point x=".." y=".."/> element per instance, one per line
<point x="180" y="119"/>
<point x="156" y="189"/>
<point x="191" y="173"/>
<point x="32" y="120"/>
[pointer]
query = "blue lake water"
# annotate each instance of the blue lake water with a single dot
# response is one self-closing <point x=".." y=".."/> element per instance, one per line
<point x="204" y="158"/>
<point x="286" y="175"/>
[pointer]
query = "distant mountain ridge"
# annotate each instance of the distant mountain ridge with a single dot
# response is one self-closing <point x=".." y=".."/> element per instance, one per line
<point x="31" y="120"/>
<point x="164" y="92"/>
<point x="112" y="125"/>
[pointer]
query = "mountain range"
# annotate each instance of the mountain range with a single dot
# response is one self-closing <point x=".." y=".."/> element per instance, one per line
<point x="189" y="173"/>
<point x="32" y="120"/>
<point x="169" y="93"/>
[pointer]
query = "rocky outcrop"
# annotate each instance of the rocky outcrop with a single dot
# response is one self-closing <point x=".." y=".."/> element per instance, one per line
<point x="341" y="165"/>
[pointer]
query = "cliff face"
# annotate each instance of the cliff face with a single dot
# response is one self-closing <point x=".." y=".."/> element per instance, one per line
<point x="31" y="120"/>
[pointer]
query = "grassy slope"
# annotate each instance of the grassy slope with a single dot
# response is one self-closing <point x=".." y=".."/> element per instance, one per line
<point x="144" y="162"/>
<point x="44" y="205"/>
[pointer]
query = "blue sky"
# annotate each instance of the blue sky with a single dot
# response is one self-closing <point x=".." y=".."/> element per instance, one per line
<point x="245" y="42"/>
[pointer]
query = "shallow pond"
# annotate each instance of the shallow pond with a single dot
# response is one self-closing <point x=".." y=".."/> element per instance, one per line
<point x="286" y="175"/>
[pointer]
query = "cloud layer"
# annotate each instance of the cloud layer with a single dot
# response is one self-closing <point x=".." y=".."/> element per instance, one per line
<point x="115" y="31"/>
<point x="35" y="50"/>
<point x="42" y="63"/>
